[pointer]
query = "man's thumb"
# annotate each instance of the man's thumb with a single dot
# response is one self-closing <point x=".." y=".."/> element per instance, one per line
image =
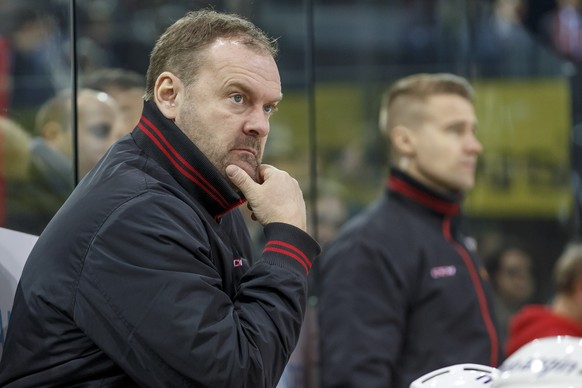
<point x="238" y="177"/>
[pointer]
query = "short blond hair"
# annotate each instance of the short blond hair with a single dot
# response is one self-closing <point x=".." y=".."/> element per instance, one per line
<point x="568" y="268"/>
<point x="402" y="103"/>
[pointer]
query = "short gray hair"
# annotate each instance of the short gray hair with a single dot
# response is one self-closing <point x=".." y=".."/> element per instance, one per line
<point x="179" y="48"/>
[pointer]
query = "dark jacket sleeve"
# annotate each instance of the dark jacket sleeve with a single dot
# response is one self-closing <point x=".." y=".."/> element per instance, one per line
<point x="151" y="297"/>
<point x="361" y="316"/>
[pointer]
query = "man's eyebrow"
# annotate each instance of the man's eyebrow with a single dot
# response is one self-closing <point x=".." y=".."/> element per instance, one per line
<point x="461" y="124"/>
<point x="277" y="100"/>
<point x="247" y="90"/>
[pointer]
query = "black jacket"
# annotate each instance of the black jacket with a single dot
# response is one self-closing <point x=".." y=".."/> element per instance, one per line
<point x="143" y="279"/>
<point x="401" y="295"/>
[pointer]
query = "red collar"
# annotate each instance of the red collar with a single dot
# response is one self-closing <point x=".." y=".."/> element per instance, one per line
<point x="402" y="184"/>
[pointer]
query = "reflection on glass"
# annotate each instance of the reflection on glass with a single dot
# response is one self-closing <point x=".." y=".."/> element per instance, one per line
<point x="34" y="67"/>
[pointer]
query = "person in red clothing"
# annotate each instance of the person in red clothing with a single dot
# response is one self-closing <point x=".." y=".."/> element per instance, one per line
<point x="563" y="316"/>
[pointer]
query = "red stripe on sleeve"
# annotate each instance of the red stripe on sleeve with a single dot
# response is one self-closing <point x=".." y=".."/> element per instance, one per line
<point x="291" y="247"/>
<point x="287" y="253"/>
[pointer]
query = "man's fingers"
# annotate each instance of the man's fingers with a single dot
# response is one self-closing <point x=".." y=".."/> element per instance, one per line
<point x="265" y="170"/>
<point x="239" y="177"/>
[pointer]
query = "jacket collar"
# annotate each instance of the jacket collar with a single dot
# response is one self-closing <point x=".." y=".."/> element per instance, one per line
<point x="164" y="142"/>
<point x="410" y="188"/>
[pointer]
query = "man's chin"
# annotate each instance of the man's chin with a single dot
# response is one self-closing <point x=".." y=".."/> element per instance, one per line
<point x="251" y="170"/>
<point x="465" y="186"/>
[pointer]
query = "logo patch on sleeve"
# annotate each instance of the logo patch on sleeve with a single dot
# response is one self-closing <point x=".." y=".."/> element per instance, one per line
<point x="443" y="271"/>
<point x="237" y="262"/>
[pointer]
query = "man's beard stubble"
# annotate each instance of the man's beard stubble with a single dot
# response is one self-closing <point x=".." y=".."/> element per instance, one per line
<point x="219" y="154"/>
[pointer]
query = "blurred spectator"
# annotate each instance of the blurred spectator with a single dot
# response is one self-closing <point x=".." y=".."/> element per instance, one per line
<point x="510" y="269"/>
<point x="35" y="47"/>
<point x="19" y="201"/>
<point x="14" y="156"/>
<point x="565" y="28"/>
<point x="127" y="87"/>
<point x="96" y="35"/>
<point x="14" y="167"/>
<point x="332" y="210"/>
<point x="52" y="149"/>
<point x="563" y="316"/>
<point x="418" y="41"/>
<point x="121" y="33"/>
<point x="332" y="213"/>
<point x="98" y="117"/>
<point x="502" y="44"/>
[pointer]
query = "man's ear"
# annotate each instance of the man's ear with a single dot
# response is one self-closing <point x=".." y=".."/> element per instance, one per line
<point x="168" y="94"/>
<point x="402" y="139"/>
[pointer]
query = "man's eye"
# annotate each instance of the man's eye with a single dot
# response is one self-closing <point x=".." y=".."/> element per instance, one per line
<point x="238" y="98"/>
<point x="270" y="108"/>
<point x="456" y="130"/>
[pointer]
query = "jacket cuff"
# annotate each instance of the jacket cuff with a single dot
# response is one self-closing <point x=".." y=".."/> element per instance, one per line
<point x="290" y="247"/>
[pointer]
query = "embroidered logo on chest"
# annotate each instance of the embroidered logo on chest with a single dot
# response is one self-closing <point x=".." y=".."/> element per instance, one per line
<point x="444" y="271"/>
<point x="237" y="262"/>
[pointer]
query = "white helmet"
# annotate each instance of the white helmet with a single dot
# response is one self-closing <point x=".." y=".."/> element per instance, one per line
<point x="460" y="375"/>
<point x="551" y="362"/>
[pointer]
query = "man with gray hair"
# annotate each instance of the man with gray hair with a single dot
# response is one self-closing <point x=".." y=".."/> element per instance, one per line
<point x="145" y="276"/>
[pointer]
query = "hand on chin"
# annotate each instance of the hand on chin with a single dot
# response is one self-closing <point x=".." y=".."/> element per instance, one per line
<point x="250" y="168"/>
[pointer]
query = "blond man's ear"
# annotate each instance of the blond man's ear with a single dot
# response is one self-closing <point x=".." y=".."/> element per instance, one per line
<point x="402" y="141"/>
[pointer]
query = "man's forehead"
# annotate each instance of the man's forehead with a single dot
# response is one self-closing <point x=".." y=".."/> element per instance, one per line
<point x="445" y="104"/>
<point x="239" y="64"/>
<point x="225" y="41"/>
<point x="238" y="44"/>
<point x="446" y="98"/>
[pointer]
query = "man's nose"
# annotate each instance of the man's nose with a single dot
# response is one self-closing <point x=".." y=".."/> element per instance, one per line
<point x="257" y="123"/>
<point x="473" y="144"/>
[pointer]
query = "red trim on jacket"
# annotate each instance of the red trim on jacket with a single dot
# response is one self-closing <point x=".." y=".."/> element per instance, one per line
<point x="475" y="279"/>
<point x="173" y="156"/>
<point x="441" y="206"/>
<point x="289" y="250"/>
<point x="450" y="209"/>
